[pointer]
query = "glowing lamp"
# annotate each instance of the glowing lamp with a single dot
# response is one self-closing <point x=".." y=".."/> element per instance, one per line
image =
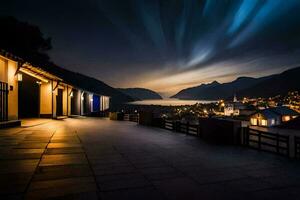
<point x="20" y="77"/>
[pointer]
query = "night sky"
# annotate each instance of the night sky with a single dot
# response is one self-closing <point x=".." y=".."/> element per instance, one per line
<point x="167" y="45"/>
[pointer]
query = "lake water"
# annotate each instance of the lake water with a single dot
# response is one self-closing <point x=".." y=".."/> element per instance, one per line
<point x="170" y="102"/>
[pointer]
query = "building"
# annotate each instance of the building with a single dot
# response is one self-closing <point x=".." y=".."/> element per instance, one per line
<point x="8" y="89"/>
<point x="233" y="108"/>
<point x="30" y="91"/>
<point x="273" y="116"/>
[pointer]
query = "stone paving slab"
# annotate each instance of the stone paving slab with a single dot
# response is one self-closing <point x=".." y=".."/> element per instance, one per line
<point x="18" y="166"/>
<point x="69" y="150"/>
<point x="61" y="172"/>
<point x="147" y="193"/>
<point x="60" y="187"/>
<point x="14" y="182"/>
<point x="63" y="159"/>
<point x="100" y="159"/>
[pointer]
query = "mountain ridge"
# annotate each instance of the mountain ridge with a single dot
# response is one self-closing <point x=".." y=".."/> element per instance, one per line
<point x="140" y="93"/>
<point x="245" y="86"/>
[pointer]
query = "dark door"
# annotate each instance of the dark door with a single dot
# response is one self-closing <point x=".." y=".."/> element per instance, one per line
<point x="59" y="102"/>
<point x="86" y="104"/>
<point x="29" y="97"/>
<point x="75" y="103"/>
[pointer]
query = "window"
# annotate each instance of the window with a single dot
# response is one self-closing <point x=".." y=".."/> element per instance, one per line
<point x="253" y="121"/>
<point x="272" y="121"/>
<point x="264" y="122"/>
<point x="286" y="118"/>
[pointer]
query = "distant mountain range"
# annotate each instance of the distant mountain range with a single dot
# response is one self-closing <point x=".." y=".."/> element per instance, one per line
<point x="267" y="86"/>
<point x="140" y="93"/>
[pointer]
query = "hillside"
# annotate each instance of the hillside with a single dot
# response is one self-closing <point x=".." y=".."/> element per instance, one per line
<point x="89" y="84"/>
<point x="140" y="93"/>
<point x="245" y="87"/>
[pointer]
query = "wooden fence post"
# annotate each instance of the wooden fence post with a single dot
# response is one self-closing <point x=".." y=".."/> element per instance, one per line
<point x="187" y="127"/>
<point x="259" y="140"/>
<point x="277" y="143"/>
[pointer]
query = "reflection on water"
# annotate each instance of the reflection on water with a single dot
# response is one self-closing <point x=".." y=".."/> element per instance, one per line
<point x="170" y="102"/>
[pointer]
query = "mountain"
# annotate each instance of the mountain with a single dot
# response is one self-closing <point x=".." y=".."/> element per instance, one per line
<point x="278" y="84"/>
<point x="245" y="87"/>
<point x="140" y="93"/>
<point x="89" y="84"/>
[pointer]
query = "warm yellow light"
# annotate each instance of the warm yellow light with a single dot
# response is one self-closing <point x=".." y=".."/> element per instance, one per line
<point x="264" y="122"/>
<point x="20" y="77"/>
<point x="253" y="121"/>
<point x="33" y="75"/>
<point x="286" y="118"/>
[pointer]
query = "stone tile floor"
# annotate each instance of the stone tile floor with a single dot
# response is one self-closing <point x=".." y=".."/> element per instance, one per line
<point x="101" y="159"/>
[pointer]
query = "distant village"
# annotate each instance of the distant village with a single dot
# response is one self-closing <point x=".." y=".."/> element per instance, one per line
<point x="265" y="112"/>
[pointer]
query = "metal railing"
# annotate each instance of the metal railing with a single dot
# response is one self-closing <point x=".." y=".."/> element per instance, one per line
<point x="3" y="101"/>
<point x="266" y="141"/>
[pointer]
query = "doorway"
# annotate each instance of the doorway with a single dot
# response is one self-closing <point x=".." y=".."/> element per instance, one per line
<point x="59" y="102"/>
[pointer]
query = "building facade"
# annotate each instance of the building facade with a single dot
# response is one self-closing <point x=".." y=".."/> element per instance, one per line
<point x="28" y="91"/>
<point x="273" y="116"/>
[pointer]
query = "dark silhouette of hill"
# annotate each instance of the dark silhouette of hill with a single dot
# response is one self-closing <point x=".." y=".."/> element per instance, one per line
<point x="282" y="83"/>
<point x="28" y="43"/>
<point x="23" y="39"/>
<point x="246" y="87"/>
<point x="88" y="83"/>
<point x="140" y="93"/>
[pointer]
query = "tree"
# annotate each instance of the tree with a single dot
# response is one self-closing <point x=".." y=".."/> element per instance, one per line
<point x="24" y="40"/>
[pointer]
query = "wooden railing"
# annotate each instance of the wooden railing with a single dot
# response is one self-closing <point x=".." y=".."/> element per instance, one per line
<point x="3" y="101"/>
<point x="297" y="147"/>
<point x="180" y="127"/>
<point x="266" y="141"/>
<point x="169" y="124"/>
<point x="131" y="117"/>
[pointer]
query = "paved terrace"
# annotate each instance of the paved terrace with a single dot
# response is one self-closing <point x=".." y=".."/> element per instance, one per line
<point x="102" y="159"/>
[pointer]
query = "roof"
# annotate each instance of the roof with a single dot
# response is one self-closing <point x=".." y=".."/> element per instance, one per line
<point x="268" y="113"/>
<point x="292" y="124"/>
<point x="283" y="110"/>
<point x="277" y="112"/>
<point x="38" y="72"/>
<point x="10" y="56"/>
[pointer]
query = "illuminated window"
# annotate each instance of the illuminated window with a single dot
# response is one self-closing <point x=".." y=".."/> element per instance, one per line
<point x="20" y="77"/>
<point x="273" y="122"/>
<point x="253" y="121"/>
<point x="264" y="122"/>
<point x="286" y="118"/>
